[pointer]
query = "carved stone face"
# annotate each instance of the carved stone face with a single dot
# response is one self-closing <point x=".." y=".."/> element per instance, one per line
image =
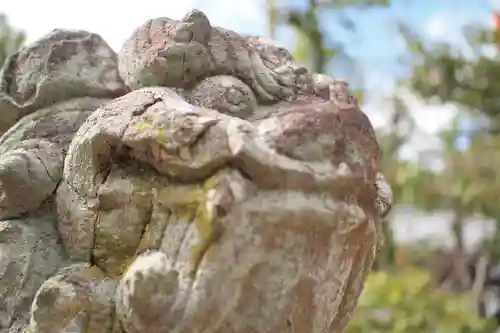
<point x="172" y="55"/>
<point x="185" y="57"/>
<point x="183" y="63"/>
<point x="166" y="52"/>
<point x="227" y="224"/>
<point x="189" y="210"/>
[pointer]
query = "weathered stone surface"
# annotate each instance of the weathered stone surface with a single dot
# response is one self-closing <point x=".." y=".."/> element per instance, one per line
<point x="56" y="123"/>
<point x="63" y="64"/>
<point x="47" y="90"/>
<point x="79" y="298"/>
<point x="175" y="53"/>
<point x="29" y="254"/>
<point x="225" y="94"/>
<point x="32" y="153"/>
<point x="232" y="191"/>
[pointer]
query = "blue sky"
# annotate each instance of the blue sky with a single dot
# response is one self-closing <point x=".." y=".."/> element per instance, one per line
<point x="377" y="43"/>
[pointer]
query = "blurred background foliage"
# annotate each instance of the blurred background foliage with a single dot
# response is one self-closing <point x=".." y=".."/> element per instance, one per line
<point x="418" y="288"/>
<point x="408" y="302"/>
<point x="415" y="287"/>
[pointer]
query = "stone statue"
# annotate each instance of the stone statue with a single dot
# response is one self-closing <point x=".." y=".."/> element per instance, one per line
<point x="198" y="181"/>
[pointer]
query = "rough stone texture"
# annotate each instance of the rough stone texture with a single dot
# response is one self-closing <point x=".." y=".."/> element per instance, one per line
<point x="231" y="191"/>
<point x="175" y="53"/>
<point x="29" y="254"/>
<point x="61" y="65"/>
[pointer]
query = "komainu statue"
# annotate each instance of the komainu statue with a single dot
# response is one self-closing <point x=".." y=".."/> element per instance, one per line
<point x="198" y="181"/>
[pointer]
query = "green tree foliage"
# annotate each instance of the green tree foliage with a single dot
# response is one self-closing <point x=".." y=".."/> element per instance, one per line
<point x="468" y="78"/>
<point x="449" y="73"/>
<point x="408" y="302"/>
<point x="468" y="182"/>
<point x="10" y="39"/>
